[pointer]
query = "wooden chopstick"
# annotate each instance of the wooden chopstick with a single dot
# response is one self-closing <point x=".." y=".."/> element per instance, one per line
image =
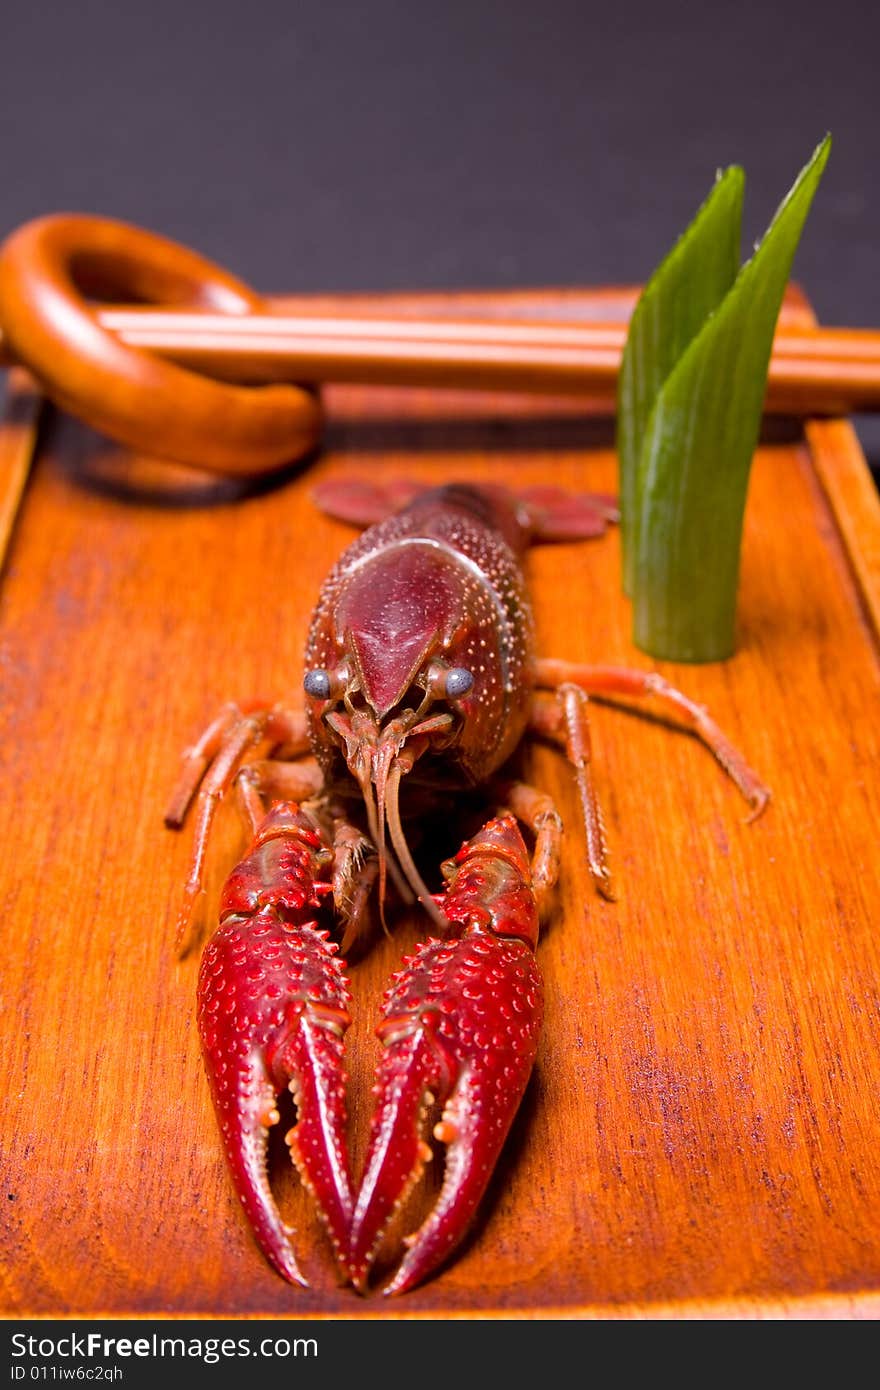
<point x="812" y="371"/>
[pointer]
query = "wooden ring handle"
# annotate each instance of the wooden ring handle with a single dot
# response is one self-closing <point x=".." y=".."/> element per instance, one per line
<point x="49" y="266"/>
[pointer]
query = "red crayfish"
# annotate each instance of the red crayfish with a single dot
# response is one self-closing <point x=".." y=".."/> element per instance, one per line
<point x="421" y="680"/>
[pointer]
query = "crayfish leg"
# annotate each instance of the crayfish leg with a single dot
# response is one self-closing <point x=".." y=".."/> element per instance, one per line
<point x="209" y="769"/>
<point x="566" y="721"/>
<point x="628" y="682"/>
<point x="538" y="811"/>
<point x="268" y="779"/>
<point x="219" y="750"/>
<point x="355" y="863"/>
<point x="355" y="870"/>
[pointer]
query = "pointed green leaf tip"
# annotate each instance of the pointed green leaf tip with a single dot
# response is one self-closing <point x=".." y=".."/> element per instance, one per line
<point x="690" y="398"/>
<point x="683" y="291"/>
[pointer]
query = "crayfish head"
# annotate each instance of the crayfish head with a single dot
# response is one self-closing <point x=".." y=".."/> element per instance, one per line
<point x="378" y="755"/>
<point x="392" y="689"/>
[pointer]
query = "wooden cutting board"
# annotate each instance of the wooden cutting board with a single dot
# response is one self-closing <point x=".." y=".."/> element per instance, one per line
<point x="700" y="1138"/>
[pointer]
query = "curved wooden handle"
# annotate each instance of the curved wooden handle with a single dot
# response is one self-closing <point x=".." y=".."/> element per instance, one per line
<point x="49" y="267"/>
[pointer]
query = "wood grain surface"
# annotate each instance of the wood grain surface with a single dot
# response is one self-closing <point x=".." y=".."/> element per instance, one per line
<point x="700" y="1137"/>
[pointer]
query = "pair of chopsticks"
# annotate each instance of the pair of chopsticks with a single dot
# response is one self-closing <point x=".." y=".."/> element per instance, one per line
<point x="813" y="371"/>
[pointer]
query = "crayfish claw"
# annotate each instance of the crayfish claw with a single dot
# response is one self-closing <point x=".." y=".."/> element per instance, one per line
<point x="461" y="1026"/>
<point x="317" y="1140"/>
<point x="245" y="1136"/>
<point x="273" y="1010"/>
<point x="471" y="1154"/>
<point x="398" y="1152"/>
<point x="276" y="1038"/>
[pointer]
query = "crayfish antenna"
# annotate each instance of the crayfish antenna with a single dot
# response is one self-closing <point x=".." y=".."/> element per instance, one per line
<point x="386" y="866"/>
<point x="405" y="859"/>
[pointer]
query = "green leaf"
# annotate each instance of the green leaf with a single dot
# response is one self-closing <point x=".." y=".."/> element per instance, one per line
<point x="695" y="454"/>
<point x="684" y="289"/>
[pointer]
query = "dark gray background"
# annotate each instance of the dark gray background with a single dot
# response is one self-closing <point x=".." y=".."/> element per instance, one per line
<point x="407" y="145"/>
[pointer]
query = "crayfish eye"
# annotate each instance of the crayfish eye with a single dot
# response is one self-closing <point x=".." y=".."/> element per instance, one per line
<point x="459" y="680"/>
<point x="317" y="683"/>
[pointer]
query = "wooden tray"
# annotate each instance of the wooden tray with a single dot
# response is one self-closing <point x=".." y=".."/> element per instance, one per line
<point x="701" y="1135"/>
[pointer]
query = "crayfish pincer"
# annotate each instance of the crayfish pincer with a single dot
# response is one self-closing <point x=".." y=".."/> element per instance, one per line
<point x="460" y="1026"/>
<point x="272" y="1012"/>
<point x="421" y="680"/>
